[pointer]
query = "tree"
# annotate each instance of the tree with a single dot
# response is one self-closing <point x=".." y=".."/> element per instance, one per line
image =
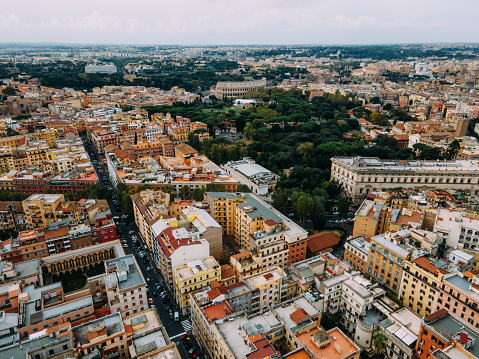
<point x="305" y="207"/>
<point x="185" y="192"/>
<point x="379" y="119"/>
<point x="386" y="141"/>
<point x="343" y="206"/>
<point x="194" y="141"/>
<point x="379" y="342"/>
<point x="9" y="91"/>
<point x="452" y="150"/>
<point x="249" y="131"/>
<point x="125" y="108"/>
<point x="305" y="149"/>
<point x="280" y="200"/>
<point x="198" y="194"/>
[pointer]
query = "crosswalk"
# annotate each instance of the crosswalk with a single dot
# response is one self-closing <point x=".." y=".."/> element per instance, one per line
<point x="186" y="325"/>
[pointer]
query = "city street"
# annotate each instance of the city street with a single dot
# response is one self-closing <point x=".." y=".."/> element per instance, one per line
<point x="174" y="329"/>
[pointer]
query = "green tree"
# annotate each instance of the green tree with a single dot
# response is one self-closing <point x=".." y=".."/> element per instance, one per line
<point x="379" y="119"/>
<point x="194" y="141"/>
<point x="343" y="206"/>
<point x="185" y="192"/>
<point x="198" y="194"/>
<point x="243" y="188"/>
<point x="379" y="343"/>
<point x="9" y="91"/>
<point x="452" y="150"/>
<point x="305" y="149"/>
<point x="305" y="207"/>
<point x="249" y="131"/>
<point x="280" y="200"/>
<point x="125" y="108"/>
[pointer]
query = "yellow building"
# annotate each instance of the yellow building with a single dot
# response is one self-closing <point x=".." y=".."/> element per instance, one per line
<point x="6" y="160"/>
<point x="38" y="154"/>
<point x="259" y="228"/>
<point x="192" y="276"/>
<point x="421" y="284"/>
<point x="13" y="141"/>
<point x="40" y="209"/>
<point x="386" y="261"/>
<point x="373" y="218"/>
<point x="268" y="289"/>
<point x="148" y="207"/>
<point x="180" y="134"/>
<point x="223" y="210"/>
<point x="46" y="135"/>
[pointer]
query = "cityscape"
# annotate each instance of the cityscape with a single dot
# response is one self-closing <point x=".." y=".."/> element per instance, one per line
<point x="239" y="197"/>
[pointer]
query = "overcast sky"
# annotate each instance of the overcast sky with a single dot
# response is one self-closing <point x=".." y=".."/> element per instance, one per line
<point x="239" y="22"/>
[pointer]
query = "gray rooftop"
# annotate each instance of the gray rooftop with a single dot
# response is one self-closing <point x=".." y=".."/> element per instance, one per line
<point x="134" y="275"/>
<point x="112" y="322"/>
<point x="358" y="288"/>
<point x="448" y="326"/>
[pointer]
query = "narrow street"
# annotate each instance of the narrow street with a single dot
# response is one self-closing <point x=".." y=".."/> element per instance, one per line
<point x="175" y="329"/>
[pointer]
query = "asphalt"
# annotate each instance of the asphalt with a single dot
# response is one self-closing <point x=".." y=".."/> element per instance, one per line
<point x="174" y="329"/>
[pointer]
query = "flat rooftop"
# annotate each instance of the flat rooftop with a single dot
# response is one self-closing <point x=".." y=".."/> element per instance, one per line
<point x="337" y="339"/>
<point x="193" y="268"/>
<point x="255" y="325"/>
<point x="134" y="276"/>
<point x="152" y="321"/>
<point x="448" y="326"/>
<point x="366" y="164"/>
<point x="286" y="314"/>
<point x="113" y="324"/>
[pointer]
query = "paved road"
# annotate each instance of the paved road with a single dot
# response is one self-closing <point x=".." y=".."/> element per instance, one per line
<point x="174" y="329"/>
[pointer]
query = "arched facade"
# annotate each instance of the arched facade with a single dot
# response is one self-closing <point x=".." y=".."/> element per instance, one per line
<point x="82" y="261"/>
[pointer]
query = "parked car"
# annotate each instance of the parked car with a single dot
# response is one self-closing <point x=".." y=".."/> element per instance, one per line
<point x="149" y="269"/>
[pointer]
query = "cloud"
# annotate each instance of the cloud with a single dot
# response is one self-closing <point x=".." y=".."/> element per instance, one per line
<point x="237" y="21"/>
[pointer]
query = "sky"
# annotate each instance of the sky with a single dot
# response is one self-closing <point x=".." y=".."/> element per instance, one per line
<point x="240" y="22"/>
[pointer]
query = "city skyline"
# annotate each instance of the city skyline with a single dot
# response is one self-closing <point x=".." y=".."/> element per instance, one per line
<point x="222" y="23"/>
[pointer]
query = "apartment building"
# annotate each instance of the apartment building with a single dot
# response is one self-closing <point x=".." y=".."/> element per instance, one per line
<point x="442" y="335"/>
<point x="105" y="337"/>
<point x="360" y="175"/>
<point x="174" y="246"/>
<point x="260" y="180"/>
<point x="386" y="261"/>
<point x="458" y="229"/>
<point x="459" y="295"/>
<point x="356" y="253"/>
<point x="125" y="286"/>
<point x="421" y="284"/>
<point x="148" y="207"/>
<point x="12" y="216"/>
<point x="373" y="218"/>
<point x="268" y="288"/>
<point x="40" y="209"/>
<point x="259" y="228"/>
<point x="361" y="311"/>
<point x="192" y="276"/>
<point x="331" y="289"/>
<point x="401" y="329"/>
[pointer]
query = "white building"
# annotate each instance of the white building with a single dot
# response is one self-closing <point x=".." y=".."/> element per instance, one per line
<point x="125" y="286"/>
<point x="100" y="69"/>
<point x="258" y="179"/>
<point x="360" y="175"/>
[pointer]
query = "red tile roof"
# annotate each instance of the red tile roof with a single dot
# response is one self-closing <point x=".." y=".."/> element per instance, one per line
<point x="322" y="240"/>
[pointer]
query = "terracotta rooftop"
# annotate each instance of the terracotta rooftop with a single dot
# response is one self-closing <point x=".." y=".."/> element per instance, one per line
<point x="426" y="264"/>
<point x="322" y="240"/>
<point x="218" y="311"/>
<point x="58" y="232"/>
<point x="227" y="271"/>
<point x="299" y="315"/>
<point x="263" y="349"/>
<point x="436" y="315"/>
